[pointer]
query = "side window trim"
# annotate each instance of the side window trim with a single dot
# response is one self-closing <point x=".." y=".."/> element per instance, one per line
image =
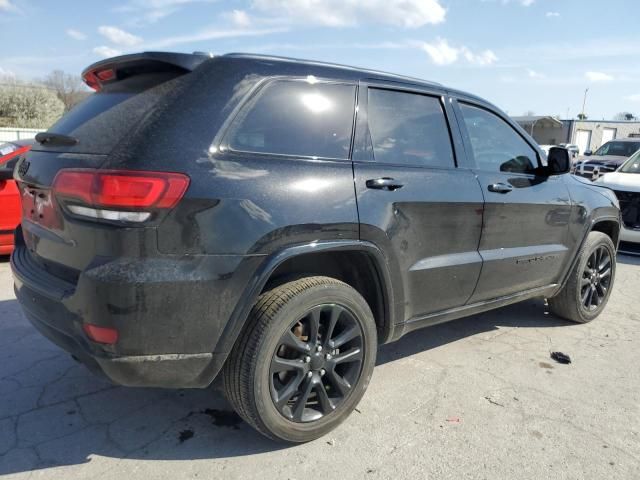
<point x="222" y="144"/>
<point x="466" y="139"/>
<point x="361" y="152"/>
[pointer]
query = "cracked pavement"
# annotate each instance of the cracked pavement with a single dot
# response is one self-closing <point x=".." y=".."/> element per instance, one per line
<point x="473" y="398"/>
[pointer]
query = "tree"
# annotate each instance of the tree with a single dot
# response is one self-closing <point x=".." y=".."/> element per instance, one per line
<point x="28" y="106"/>
<point x="624" y="116"/>
<point x="529" y="113"/>
<point x="69" y="88"/>
<point x="582" y="116"/>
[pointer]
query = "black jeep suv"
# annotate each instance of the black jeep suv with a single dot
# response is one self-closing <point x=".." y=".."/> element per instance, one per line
<point x="273" y="220"/>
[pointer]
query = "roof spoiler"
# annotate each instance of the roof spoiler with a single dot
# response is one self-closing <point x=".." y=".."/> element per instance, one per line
<point x="124" y="66"/>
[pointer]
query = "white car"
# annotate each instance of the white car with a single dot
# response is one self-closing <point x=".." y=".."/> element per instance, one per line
<point x="625" y="182"/>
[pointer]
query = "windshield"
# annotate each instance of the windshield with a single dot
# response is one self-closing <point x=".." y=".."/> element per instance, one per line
<point x="621" y="149"/>
<point x="632" y="165"/>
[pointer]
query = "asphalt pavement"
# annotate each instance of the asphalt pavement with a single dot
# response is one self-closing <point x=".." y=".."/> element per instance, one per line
<point x="475" y="398"/>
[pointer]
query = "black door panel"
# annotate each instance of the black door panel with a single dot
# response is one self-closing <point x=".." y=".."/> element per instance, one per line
<point x="412" y="200"/>
<point x="431" y="225"/>
<point x="526" y="215"/>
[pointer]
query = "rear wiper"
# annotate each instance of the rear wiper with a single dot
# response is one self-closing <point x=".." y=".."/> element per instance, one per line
<point x="49" y="138"/>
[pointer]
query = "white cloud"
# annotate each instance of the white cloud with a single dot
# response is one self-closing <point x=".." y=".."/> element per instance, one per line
<point x="524" y="3"/>
<point x="341" y="13"/>
<point x="4" y="73"/>
<point x="487" y="57"/>
<point x="239" y="18"/>
<point x="75" y="34"/>
<point x="211" y="34"/>
<point x="552" y="14"/>
<point x="151" y="11"/>
<point x="633" y="98"/>
<point x="7" y="6"/>
<point x="598" y="77"/>
<point x="533" y="74"/>
<point x="442" y="53"/>
<point x="119" y="36"/>
<point x="106" y="52"/>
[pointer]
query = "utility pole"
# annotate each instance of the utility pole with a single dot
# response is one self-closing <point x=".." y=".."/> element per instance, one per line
<point x="584" y="101"/>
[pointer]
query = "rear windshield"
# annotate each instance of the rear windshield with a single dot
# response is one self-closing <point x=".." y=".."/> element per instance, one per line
<point x="105" y="117"/>
<point x="621" y="149"/>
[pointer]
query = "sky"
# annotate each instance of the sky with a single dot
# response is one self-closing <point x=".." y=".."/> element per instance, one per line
<point x="523" y="55"/>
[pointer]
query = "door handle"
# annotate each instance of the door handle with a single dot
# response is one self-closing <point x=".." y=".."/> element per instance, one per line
<point x="384" y="183"/>
<point x="500" y="188"/>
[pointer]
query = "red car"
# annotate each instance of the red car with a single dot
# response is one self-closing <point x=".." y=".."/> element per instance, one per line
<point x="9" y="196"/>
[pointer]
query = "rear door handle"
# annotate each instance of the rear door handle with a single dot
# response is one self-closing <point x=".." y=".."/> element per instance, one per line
<point x="500" y="188"/>
<point x="384" y="183"/>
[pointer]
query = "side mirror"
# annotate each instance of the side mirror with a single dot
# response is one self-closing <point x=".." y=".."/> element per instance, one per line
<point x="558" y="161"/>
<point x="588" y="153"/>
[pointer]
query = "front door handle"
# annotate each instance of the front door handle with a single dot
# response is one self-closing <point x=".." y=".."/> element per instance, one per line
<point x="384" y="183"/>
<point x="500" y="188"/>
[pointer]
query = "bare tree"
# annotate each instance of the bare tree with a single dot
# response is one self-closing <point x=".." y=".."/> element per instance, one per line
<point x="28" y="106"/>
<point x="582" y="116"/>
<point x="622" y="116"/>
<point x="69" y="88"/>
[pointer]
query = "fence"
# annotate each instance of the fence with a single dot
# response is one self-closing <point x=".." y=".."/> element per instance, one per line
<point x="10" y="134"/>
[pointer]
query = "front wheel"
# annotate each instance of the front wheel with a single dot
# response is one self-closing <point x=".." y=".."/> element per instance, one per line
<point x="588" y="288"/>
<point x="304" y="360"/>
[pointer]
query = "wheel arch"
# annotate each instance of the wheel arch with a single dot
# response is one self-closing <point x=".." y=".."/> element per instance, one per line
<point x="610" y="226"/>
<point x="296" y="261"/>
<point x="607" y="224"/>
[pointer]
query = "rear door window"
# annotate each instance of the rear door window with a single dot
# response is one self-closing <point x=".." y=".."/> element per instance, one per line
<point x="297" y="118"/>
<point x="496" y="146"/>
<point x="408" y="129"/>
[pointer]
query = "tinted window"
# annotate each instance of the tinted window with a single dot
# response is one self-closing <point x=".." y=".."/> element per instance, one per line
<point x="408" y="129"/>
<point x="621" y="149"/>
<point x="105" y="117"/>
<point x="298" y="118"/>
<point x="496" y="145"/>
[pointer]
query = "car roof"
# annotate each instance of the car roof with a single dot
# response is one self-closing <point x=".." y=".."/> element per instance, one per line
<point x="333" y="66"/>
<point x="351" y="71"/>
<point x="628" y="139"/>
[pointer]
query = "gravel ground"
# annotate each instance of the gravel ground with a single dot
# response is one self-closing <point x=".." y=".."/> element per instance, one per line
<point x="474" y="398"/>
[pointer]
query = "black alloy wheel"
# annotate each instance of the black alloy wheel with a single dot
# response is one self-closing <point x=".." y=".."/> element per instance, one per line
<point x="596" y="278"/>
<point x="587" y="289"/>
<point x="316" y="362"/>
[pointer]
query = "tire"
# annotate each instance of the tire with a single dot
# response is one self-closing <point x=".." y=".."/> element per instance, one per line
<point x="569" y="303"/>
<point x="276" y="351"/>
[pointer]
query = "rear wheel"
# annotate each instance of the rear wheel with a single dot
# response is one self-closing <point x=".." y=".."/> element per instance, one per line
<point x="589" y="286"/>
<point x="304" y="360"/>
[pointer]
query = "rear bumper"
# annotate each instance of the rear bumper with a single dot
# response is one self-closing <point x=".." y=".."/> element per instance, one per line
<point x="166" y="371"/>
<point x="168" y="330"/>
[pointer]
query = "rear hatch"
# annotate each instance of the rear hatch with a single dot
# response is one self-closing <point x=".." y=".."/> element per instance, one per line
<point x="129" y="92"/>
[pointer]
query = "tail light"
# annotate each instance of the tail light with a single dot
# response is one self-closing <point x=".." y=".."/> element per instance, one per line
<point x="105" y="335"/>
<point x="118" y="195"/>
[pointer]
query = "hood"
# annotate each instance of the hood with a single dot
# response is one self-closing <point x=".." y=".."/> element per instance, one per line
<point x="629" y="182"/>
<point x="612" y="160"/>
